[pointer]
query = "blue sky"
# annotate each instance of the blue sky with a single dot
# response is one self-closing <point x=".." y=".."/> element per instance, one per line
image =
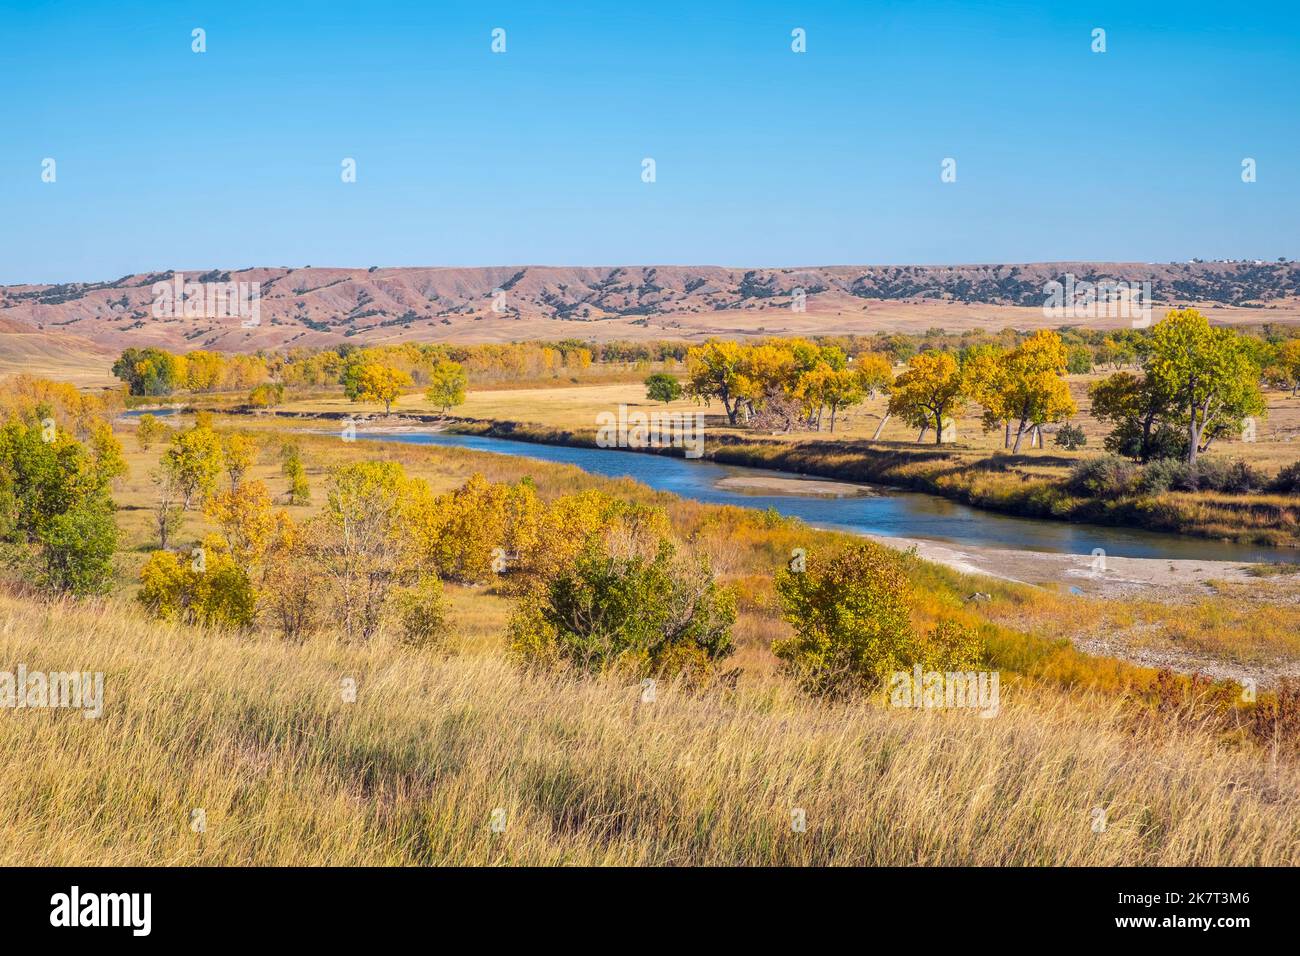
<point x="171" y="159"/>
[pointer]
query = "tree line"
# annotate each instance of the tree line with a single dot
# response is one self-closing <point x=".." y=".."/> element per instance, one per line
<point x="1191" y="383"/>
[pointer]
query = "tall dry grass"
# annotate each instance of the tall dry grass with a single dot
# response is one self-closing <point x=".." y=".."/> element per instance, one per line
<point x="257" y="734"/>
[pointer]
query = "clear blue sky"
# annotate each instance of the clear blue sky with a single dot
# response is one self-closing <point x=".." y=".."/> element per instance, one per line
<point x="171" y="159"/>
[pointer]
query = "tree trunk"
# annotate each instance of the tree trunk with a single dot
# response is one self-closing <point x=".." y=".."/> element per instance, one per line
<point x="938" y="430"/>
<point x="833" y="411"/>
<point x="1006" y="434"/>
<point x="921" y="437"/>
<point x="880" y="427"/>
<point x="1020" y="433"/>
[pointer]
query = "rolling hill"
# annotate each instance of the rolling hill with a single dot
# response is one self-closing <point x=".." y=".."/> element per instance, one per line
<point x="326" y="306"/>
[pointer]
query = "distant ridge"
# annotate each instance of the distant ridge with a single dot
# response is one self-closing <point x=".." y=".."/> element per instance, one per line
<point x="318" y="306"/>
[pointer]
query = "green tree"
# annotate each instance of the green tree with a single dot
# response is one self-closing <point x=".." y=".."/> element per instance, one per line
<point x="1079" y="360"/>
<point x="447" y="385"/>
<point x="55" y="508"/>
<point x="1137" y="407"/>
<point x="1209" y="373"/>
<point x="662" y="387"/>
<point x="77" y="548"/>
<point x="150" y="371"/>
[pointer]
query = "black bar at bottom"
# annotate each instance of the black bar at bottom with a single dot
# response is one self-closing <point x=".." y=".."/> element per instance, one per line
<point x="332" y="906"/>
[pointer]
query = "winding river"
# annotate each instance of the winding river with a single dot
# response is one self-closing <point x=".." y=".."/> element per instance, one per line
<point x="888" y="512"/>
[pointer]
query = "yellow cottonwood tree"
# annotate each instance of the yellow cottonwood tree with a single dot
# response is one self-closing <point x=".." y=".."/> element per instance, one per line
<point x="372" y="382"/>
<point x="1029" y="388"/>
<point x="931" y="390"/>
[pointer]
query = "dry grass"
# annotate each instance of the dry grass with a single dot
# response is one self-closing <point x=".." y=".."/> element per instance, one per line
<point x="256" y="733"/>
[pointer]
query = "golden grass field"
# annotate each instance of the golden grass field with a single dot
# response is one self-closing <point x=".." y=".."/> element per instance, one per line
<point x="257" y="734"/>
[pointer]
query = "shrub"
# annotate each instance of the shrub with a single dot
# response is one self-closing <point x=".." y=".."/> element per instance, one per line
<point x="1106" y="477"/>
<point x="1071" y="437"/>
<point x="216" y="592"/>
<point x="77" y="548"/>
<point x="1234" y="477"/>
<point x="1165" y="441"/>
<point x="1287" y="481"/>
<point x="1208" y="474"/>
<point x="659" y="613"/>
<point x="852" y="618"/>
<point x="1166" y="474"/>
<point x="422" y="612"/>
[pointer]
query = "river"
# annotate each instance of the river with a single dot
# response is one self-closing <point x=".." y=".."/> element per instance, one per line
<point x="890" y="512"/>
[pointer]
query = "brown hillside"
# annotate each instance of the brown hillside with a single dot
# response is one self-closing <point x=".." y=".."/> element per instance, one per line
<point x="322" y="306"/>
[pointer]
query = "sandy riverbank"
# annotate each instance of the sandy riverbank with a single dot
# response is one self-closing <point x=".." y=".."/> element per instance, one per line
<point x="1162" y="579"/>
<point x="811" y="487"/>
